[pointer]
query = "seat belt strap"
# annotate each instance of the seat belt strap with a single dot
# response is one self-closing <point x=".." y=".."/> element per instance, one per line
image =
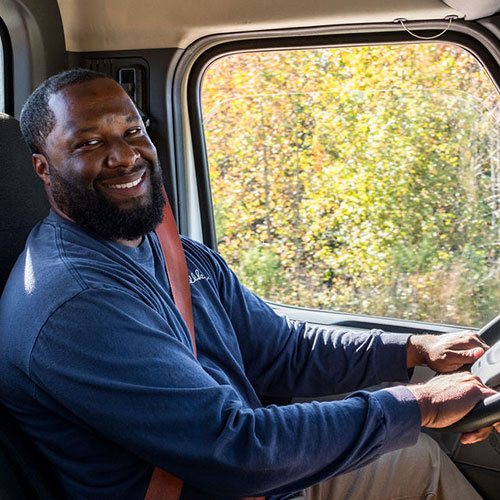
<point x="163" y="485"/>
<point x="175" y="263"/>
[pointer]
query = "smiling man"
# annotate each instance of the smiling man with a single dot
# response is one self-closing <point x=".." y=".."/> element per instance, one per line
<point x="98" y="366"/>
<point x="114" y="197"/>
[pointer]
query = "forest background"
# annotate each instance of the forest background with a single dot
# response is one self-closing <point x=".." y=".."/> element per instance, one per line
<point x="361" y="179"/>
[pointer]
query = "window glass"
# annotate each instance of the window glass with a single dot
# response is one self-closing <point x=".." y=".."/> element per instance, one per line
<point x="359" y="179"/>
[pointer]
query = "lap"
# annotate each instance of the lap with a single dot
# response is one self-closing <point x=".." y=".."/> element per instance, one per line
<point x="420" y="472"/>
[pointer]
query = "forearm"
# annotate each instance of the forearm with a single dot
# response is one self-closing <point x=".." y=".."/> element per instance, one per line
<point x="263" y="451"/>
<point x="332" y="438"/>
<point x="314" y="361"/>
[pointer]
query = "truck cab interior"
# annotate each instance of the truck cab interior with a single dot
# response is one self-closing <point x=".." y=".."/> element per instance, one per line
<point x="342" y="156"/>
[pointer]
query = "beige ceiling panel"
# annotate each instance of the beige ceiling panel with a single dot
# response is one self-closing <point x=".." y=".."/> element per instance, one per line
<point x="125" y="24"/>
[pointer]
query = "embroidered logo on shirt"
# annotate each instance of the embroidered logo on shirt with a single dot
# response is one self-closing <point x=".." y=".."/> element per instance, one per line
<point x="196" y="275"/>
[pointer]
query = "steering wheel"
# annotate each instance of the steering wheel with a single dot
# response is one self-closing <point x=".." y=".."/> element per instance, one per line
<point x="487" y="368"/>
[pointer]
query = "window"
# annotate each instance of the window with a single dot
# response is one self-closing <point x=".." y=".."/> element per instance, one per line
<point x="359" y="179"/>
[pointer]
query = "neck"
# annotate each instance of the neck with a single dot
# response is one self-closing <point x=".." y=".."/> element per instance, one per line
<point x="130" y="243"/>
<point x="54" y="207"/>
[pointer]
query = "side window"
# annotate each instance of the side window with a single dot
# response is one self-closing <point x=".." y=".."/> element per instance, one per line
<point x="359" y="179"/>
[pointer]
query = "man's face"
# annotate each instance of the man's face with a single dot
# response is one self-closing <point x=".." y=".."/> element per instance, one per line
<point x="103" y="170"/>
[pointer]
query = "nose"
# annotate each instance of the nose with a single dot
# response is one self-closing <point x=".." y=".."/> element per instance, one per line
<point x="121" y="154"/>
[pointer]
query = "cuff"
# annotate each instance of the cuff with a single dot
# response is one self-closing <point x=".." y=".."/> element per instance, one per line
<point x="403" y="419"/>
<point x="391" y="357"/>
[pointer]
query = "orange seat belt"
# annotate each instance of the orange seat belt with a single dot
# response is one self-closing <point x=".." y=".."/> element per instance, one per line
<point x="175" y="263"/>
<point x="162" y="485"/>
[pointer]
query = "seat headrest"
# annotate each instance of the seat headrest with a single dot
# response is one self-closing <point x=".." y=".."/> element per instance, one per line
<point x="22" y="197"/>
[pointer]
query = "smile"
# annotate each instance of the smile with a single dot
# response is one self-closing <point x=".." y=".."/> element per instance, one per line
<point x="127" y="185"/>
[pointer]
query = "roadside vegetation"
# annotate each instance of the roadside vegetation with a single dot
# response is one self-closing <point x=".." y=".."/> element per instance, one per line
<point x="362" y="179"/>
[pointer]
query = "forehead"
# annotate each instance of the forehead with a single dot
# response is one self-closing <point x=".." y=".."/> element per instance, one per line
<point x="87" y="103"/>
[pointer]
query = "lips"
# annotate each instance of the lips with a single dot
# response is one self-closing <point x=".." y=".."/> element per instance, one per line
<point x="130" y="185"/>
<point x="124" y="181"/>
<point x="127" y="185"/>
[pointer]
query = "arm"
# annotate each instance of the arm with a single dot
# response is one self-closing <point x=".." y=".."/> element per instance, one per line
<point x="136" y="382"/>
<point x="313" y="358"/>
<point x="290" y="358"/>
<point x="331" y="361"/>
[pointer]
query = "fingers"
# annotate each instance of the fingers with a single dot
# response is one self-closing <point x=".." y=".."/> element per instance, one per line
<point x="476" y="436"/>
<point x="479" y="341"/>
<point x="466" y="337"/>
<point x="469" y="355"/>
<point x="450" y="351"/>
<point x="469" y="339"/>
<point x="445" y="399"/>
<point x="452" y="360"/>
<point x="479" y="435"/>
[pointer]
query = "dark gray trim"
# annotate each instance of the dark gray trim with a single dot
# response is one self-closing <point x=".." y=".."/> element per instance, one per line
<point x="37" y="42"/>
<point x="7" y="69"/>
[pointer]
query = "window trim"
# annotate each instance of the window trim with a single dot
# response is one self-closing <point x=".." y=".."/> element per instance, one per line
<point x="6" y="48"/>
<point x="36" y="43"/>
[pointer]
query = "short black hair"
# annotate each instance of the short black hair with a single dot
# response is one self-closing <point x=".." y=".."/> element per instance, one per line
<point x="37" y="119"/>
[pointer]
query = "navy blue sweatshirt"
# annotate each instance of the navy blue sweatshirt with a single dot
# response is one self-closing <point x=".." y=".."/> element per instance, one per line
<point x="97" y="364"/>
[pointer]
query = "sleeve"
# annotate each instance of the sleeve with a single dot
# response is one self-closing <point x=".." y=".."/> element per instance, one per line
<point x="128" y="374"/>
<point x="286" y="358"/>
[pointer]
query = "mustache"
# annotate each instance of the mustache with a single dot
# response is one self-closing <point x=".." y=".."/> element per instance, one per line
<point x="118" y="172"/>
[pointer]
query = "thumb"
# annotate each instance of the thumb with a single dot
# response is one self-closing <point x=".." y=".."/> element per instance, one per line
<point x="474" y="437"/>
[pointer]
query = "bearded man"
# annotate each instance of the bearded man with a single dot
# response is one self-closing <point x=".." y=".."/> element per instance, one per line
<point x="98" y="364"/>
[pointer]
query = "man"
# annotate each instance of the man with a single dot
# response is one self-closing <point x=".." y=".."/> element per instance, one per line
<point x="98" y="366"/>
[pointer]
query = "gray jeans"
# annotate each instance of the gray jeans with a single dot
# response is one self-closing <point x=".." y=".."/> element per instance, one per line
<point x="421" y="472"/>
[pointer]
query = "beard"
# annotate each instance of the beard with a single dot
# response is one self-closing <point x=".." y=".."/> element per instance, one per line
<point x="95" y="213"/>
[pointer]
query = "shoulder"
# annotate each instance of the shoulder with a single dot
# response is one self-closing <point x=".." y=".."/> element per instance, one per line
<point x="193" y="247"/>
<point x="200" y="253"/>
<point x="54" y="263"/>
<point x="59" y="262"/>
<point x="41" y="277"/>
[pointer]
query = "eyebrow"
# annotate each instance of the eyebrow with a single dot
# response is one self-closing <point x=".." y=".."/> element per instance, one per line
<point x="88" y="129"/>
<point x="129" y="119"/>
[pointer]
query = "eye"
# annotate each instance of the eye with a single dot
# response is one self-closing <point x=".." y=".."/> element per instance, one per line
<point x="134" y="131"/>
<point x="89" y="143"/>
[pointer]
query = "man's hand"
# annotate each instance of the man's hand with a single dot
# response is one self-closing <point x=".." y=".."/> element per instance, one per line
<point x="445" y="399"/>
<point x="479" y="435"/>
<point x="445" y="353"/>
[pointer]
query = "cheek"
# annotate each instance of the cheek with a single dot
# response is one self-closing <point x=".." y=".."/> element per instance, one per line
<point x="146" y="147"/>
<point x="79" y="172"/>
<point x="150" y="154"/>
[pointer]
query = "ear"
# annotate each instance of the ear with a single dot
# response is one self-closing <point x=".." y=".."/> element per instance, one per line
<point x="41" y="166"/>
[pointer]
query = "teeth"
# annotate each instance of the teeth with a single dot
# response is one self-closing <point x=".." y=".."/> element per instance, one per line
<point x="126" y="186"/>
